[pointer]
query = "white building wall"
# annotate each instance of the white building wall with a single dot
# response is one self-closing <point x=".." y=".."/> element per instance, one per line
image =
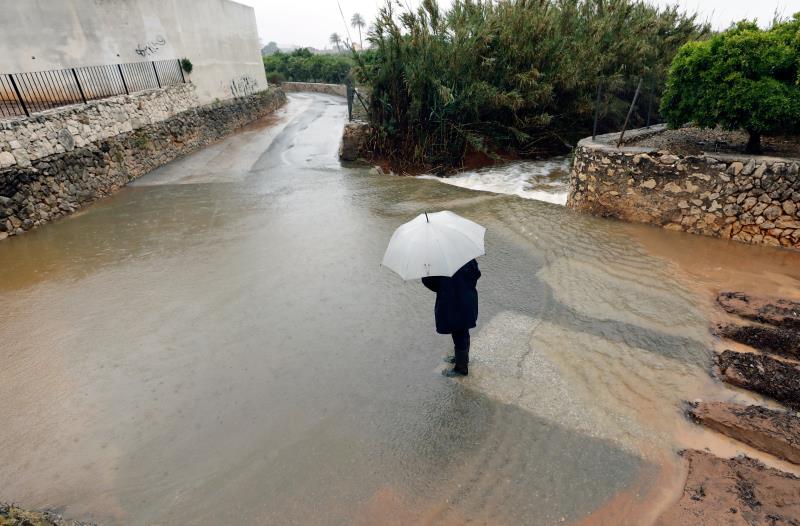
<point x="218" y="36"/>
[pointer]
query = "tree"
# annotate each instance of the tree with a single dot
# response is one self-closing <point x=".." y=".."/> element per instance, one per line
<point x="336" y="40"/>
<point x="357" y="21"/>
<point x="270" y="49"/>
<point x="742" y="79"/>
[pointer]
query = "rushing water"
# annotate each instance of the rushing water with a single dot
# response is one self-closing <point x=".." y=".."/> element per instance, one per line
<point x="217" y="344"/>
<point x="544" y="180"/>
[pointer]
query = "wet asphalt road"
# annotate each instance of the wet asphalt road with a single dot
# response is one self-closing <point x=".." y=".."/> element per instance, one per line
<point x="217" y="343"/>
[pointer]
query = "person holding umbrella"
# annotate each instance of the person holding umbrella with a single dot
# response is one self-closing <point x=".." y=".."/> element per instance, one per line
<point x="456" y="311"/>
<point x="441" y="249"/>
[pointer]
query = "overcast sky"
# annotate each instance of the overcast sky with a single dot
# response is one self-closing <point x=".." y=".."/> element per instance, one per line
<point x="311" y="22"/>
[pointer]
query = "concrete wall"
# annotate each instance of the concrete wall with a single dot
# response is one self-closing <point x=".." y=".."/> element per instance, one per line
<point x="218" y="36"/>
<point x="748" y="199"/>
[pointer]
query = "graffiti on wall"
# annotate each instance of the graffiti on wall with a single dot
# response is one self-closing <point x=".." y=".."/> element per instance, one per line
<point x="151" y="47"/>
<point x="244" y="85"/>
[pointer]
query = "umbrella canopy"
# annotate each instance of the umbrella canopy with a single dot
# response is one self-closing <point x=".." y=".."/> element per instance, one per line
<point x="435" y="244"/>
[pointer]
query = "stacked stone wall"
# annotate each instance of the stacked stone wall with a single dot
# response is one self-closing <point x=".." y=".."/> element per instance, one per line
<point x="316" y="87"/>
<point x="747" y="199"/>
<point x="44" y="187"/>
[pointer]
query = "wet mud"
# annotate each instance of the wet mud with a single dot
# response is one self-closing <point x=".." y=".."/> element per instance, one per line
<point x="732" y="491"/>
<point x="763" y="374"/>
<point x="777" y="340"/>
<point x="774" y="432"/>
<point x="780" y="312"/>
<point x="11" y="515"/>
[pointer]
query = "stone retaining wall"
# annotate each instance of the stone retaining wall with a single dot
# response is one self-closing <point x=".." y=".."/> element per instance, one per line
<point x="26" y="140"/>
<point x="744" y="198"/>
<point x="55" y="185"/>
<point x="316" y="87"/>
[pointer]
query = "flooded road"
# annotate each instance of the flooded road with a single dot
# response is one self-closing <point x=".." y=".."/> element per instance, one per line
<point x="217" y="344"/>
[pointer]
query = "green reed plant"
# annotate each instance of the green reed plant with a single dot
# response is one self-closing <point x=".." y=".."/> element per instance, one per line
<point x="510" y="76"/>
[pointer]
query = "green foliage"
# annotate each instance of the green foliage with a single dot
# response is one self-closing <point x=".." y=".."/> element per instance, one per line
<point x="186" y="65"/>
<point x="517" y="75"/>
<point x="275" y="77"/>
<point x="745" y="78"/>
<point x="303" y="66"/>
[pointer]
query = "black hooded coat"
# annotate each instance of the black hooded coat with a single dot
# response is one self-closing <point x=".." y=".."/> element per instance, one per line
<point x="456" y="298"/>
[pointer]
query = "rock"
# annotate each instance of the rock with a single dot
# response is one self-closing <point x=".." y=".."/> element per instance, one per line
<point x="789" y="207"/>
<point x="642" y="158"/>
<point x="787" y="223"/>
<point x="66" y="140"/>
<point x="354" y="140"/>
<point x="731" y="210"/>
<point x="749" y="203"/>
<point x="772" y="311"/>
<point x="739" y="491"/>
<point x="672" y="188"/>
<point x="763" y="374"/>
<point x="669" y="159"/>
<point x="735" y="168"/>
<point x="773" y="212"/>
<point x="775" y="432"/>
<point x="777" y="340"/>
<point x="22" y="158"/>
<point x="759" y="173"/>
<point x="6" y="160"/>
<point x="649" y="184"/>
<point x="749" y="167"/>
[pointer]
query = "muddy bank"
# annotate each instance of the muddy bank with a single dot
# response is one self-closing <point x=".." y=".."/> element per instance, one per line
<point x="779" y="312"/>
<point x="694" y="141"/>
<point x="775" y="432"/>
<point x="778" y="340"/>
<point x="762" y="374"/>
<point x="740" y="490"/>
<point x="11" y="515"/>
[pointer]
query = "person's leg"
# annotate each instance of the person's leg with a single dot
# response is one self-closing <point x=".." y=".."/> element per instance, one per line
<point x="461" y="344"/>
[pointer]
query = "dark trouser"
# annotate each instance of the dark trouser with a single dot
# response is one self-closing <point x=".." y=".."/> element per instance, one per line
<point x="461" y="344"/>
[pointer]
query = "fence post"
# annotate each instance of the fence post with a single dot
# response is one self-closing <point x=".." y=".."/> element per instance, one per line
<point x="78" y="82"/>
<point x="124" y="84"/>
<point x="596" y="109"/>
<point x="158" y="81"/>
<point x="630" y="111"/>
<point x="180" y="68"/>
<point x="19" y="96"/>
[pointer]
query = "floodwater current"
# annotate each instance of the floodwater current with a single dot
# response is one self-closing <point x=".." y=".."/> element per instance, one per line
<point x="218" y="344"/>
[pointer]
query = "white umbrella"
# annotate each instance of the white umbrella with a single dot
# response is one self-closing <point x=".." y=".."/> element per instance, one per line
<point x="435" y="244"/>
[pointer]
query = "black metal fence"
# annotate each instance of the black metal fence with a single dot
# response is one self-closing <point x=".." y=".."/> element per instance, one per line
<point x="27" y="93"/>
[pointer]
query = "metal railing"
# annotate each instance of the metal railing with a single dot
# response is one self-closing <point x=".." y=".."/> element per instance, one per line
<point x="28" y="93"/>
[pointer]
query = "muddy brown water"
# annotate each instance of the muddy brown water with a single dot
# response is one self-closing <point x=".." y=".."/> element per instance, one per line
<point x="218" y="344"/>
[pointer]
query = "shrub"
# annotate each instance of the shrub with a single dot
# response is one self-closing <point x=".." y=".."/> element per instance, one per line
<point x="303" y="66"/>
<point x="275" y="77"/>
<point x="745" y="78"/>
<point x="512" y="75"/>
<point x="186" y="65"/>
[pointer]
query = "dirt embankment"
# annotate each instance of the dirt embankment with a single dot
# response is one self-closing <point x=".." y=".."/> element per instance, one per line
<point x="736" y="491"/>
<point x="741" y="490"/>
<point x="769" y="430"/>
<point x="11" y="515"/>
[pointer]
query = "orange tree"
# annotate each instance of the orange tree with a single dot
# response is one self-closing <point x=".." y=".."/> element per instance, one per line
<point x="742" y="79"/>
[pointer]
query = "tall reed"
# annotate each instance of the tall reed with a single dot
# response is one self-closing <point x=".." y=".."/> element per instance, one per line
<point x="513" y="76"/>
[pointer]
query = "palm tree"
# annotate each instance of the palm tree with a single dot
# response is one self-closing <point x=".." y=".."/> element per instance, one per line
<point x="336" y="40"/>
<point x="358" y="22"/>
